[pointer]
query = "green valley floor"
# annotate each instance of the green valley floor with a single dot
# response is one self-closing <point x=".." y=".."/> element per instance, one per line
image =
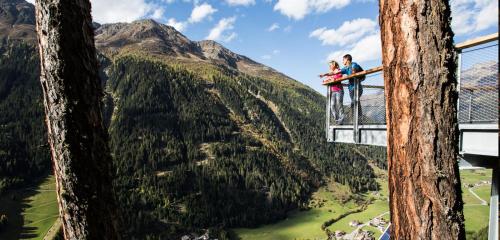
<point x="31" y="211"/>
<point x="307" y="224"/>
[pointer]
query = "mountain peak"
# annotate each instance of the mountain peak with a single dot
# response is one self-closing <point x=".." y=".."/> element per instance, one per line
<point x="17" y="22"/>
<point x="146" y="35"/>
<point x="152" y="37"/>
<point x="147" y="22"/>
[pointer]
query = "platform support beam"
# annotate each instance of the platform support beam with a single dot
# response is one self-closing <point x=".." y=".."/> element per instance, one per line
<point x="355" y="111"/>
<point x="493" y="226"/>
<point x="328" y="113"/>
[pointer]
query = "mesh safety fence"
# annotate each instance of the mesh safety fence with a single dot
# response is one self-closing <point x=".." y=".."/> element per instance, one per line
<point x="478" y="98"/>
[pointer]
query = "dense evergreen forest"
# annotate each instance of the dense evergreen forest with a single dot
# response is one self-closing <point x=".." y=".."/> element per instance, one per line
<point x="192" y="149"/>
<point x="204" y="152"/>
<point x="24" y="151"/>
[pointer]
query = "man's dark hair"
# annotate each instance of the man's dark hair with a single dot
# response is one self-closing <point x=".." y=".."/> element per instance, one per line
<point x="348" y="57"/>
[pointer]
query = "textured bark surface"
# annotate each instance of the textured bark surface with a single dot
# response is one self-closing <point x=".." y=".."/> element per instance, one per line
<point x="78" y="140"/>
<point x="422" y="130"/>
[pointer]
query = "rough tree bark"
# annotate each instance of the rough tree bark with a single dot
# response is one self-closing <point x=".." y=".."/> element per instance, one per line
<point x="72" y="99"/>
<point x="422" y="130"/>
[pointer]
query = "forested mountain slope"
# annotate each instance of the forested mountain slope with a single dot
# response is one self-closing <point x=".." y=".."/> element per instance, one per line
<point x="201" y="137"/>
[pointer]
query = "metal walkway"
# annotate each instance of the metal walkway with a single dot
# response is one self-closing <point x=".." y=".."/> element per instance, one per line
<point x="365" y="117"/>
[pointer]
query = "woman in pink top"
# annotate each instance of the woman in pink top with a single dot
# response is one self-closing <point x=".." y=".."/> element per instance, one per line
<point x="337" y="93"/>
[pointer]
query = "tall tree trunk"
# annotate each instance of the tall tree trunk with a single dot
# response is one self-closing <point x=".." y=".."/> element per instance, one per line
<point x="78" y="140"/>
<point x="422" y="131"/>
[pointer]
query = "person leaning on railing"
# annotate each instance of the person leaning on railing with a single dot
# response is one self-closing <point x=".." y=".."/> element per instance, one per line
<point x="350" y="68"/>
<point x="337" y="93"/>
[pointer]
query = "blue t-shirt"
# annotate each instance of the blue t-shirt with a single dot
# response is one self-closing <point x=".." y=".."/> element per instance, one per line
<point x="348" y="71"/>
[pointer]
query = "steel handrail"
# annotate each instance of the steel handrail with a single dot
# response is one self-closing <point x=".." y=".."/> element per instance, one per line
<point x="459" y="46"/>
<point x="362" y="73"/>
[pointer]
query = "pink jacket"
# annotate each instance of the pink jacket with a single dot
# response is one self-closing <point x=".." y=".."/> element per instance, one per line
<point x="337" y="87"/>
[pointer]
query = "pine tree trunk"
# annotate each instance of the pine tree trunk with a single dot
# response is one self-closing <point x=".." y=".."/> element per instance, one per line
<point x="422" y="132"/>
<point x="78" y="140"/>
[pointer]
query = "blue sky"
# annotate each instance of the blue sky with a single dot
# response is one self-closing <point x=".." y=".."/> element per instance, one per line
<point x="296" y="37"/>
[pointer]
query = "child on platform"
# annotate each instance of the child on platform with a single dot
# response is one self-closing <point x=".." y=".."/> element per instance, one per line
<point x="336" y="93"/>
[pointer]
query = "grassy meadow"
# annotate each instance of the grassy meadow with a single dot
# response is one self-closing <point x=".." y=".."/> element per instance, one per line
<point x="476" y="216"/>
<point x="30" y="211"/>
<point x="307" y="224"/>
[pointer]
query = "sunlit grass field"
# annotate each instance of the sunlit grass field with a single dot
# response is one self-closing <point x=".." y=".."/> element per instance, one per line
<point x="39" y="210"/>
<point x="303" y="224"/>
<point x="484" y="192"/>
<point x="476" y="216"/>
<point x="307" y="224"/>
<point x="31" y="211"/>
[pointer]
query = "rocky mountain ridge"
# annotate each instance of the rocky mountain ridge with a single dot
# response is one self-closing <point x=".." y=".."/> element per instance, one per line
<point x="153" y="38"/>
<point x="17" y="21"/>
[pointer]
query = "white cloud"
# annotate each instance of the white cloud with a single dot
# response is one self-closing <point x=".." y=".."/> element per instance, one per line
<point x="201" y="12"/>
<point x="269" y="56"/>
<point x="198" y="14"/>
<point x="231" y="36"/>
<point x="298" y="9"/>
<point x="358" y="37"/>
<point x="224" y="25"/>
<point x="240" y="2"/>
<point x="487" y="17"/>
<point x="327" y="5"/>
<point x="179" y="26"/>
<point x="158" y="13"/>
<point x="470" y="16"/>
<point x="287" y="29"/>
<point x="111" y="11"/>
<point x="367" y="49"/>
<point x="348" y="32"/>
<point x="273" y="27"/>
<point x="31" y="1"/>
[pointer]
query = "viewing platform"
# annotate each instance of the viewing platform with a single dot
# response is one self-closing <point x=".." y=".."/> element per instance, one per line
<point x="477" y="74"/>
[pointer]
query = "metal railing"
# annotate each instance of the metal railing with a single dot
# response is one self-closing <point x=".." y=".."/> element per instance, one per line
<point x="477" y="85"/>
<point x="477" y="76"/>
<point x="372" y="101"/>
<point x="363" y="103"/>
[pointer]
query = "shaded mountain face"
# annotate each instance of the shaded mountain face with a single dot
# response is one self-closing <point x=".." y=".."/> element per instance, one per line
<point x="17" y="21"/>
<point x="201" y="137"/>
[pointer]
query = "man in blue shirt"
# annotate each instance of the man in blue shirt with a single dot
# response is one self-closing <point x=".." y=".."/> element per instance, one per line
<point x="350" y="68"/>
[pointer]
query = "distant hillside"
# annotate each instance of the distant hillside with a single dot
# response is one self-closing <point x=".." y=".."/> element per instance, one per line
<point x="479" y="75"/>
<point x="17" y="21"/>
<point x="201" y="137"/>
<point x="159" y="40"/>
